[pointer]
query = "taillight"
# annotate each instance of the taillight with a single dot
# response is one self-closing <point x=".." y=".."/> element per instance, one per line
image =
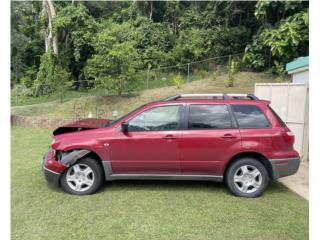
<point x="288" y="136"/>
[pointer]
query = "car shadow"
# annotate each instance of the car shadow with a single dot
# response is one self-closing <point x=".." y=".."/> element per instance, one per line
<point x="174" y="185"/>
<point x="163" y="185"/>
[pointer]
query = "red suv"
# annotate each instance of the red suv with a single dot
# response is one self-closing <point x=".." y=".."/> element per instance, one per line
<point x="235" y="138"/>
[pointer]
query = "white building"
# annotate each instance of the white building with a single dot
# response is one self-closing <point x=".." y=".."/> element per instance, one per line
<point x="299" y="70"/>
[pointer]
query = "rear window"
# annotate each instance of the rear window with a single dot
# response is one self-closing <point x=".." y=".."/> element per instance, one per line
<point x="250" y="116"/>
<point x="209" y="117"/>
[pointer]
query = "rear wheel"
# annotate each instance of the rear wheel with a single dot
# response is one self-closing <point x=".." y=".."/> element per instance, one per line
<point x="82" y="178"/>
<point x="247" y="177"/>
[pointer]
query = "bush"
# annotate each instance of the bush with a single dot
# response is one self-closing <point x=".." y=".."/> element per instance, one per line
<point x="178" y="81"/>
<point x="62" y="82"/>
<point x="203" y="73"/>
<point x="20" y="92"/>
<point x="281" y="71"/>
<point x="29" y="77"/>
<point x="234" y="66"/>
<point x="214" y="76"/>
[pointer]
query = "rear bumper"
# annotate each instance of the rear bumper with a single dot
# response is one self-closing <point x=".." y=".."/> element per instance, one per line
<point x="284" y="167"/>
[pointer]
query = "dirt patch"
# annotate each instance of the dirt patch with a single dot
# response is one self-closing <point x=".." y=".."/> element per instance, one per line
<point x="32" y="122"/>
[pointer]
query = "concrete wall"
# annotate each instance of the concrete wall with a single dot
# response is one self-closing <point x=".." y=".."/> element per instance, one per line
<point x="291" y="102"/>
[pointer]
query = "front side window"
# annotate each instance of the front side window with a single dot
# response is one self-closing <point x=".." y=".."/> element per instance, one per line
<point x="156" y="119"/>
<point x="250" y="116"/>
<point x="209" y="117"/>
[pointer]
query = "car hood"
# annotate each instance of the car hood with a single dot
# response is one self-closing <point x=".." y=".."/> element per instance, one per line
<point x="81" y="125"/>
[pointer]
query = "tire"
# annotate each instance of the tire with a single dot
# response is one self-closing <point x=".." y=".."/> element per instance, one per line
<point x="247" y="177"/>
<point x="82" y="178"/>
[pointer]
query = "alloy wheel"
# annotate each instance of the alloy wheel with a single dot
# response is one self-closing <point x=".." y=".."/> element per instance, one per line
<point x="80" y="177"/>
<point x="247" y="179"/>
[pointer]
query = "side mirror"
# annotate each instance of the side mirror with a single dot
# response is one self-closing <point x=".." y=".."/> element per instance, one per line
<point x="124" y="127"/>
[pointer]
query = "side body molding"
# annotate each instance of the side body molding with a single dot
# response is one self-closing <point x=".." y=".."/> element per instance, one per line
<point x="109" y="176"/>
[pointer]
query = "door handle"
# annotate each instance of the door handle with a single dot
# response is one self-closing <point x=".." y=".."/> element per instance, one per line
<point x="169" y="137"/>
<point x="229" y="136"/>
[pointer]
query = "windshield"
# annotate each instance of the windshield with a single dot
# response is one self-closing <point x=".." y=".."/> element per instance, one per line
<point x="124" y="116"/>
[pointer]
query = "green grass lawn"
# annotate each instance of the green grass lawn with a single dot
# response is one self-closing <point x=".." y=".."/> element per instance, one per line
<point x="143" y="209"/>
<point x="244" y="83"/>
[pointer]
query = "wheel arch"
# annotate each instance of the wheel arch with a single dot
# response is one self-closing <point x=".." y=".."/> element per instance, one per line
<point x="258" y="156"/>
<point x="86" y="152"/>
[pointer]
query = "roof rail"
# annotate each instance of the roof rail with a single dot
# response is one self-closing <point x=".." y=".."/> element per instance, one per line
<point x="241" y="95"/>
<point x="213" y="96"/>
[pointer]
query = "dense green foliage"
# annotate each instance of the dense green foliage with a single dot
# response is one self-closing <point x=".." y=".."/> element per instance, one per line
<point x="284" y="40"/>
<point x="105" y="44"/>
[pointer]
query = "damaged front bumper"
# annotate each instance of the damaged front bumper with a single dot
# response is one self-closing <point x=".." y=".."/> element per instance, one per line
<point x="51" y="177"/>
<point x="51" y="169"/>
<point x="55" y="162"/>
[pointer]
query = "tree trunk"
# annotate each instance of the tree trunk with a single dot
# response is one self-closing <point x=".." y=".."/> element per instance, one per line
<point x="151" y="10"/>
<point x="45" y="33"/>
<point x="46" y="41"/>
<point x="50" y="38"/>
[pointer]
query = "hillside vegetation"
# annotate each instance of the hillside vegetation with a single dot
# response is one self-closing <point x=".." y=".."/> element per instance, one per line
<point x="244" y="83"/>
<point x="57" y="46"/>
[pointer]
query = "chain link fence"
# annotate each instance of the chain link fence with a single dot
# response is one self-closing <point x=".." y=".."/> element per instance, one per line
<point x="146" y="79"/>
<point x="165" y="76"/>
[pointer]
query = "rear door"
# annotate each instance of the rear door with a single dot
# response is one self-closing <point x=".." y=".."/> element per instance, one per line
<point x="255" y="129"/>
<point x="209" y="139"/>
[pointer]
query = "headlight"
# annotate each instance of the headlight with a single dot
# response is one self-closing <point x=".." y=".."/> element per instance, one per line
<point x="54" y="143"/>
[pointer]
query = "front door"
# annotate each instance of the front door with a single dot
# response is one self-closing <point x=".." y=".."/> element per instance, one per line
<point x="209" y="140"/>
<point x="151" y="145"/>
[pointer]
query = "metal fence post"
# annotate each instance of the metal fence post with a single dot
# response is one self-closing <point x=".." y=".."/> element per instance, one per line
<point x="148" y="78"/>
<point x="188" y="77"/>
<point x="17" y="97"/>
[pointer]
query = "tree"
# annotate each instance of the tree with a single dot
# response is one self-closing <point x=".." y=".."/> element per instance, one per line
<point x="154" y="42"/>
<point x="289" y="37"/>
<point x="26" y="43"/>
<point x="51" y="77"/>
<point x="76" y="29"/>
<point x="191" y="45"/>
<point x="288" y="40"/>
<point x="117" y="69"/>
<point x="116" y="60"/>
<point x="159" y="33"/>
<point x="172" y="14"/>
<point x="51" y="38"/>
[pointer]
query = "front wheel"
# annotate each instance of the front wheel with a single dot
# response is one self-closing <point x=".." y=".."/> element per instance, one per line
<point x="247" y="177"/>
<point x="82" y="178"/>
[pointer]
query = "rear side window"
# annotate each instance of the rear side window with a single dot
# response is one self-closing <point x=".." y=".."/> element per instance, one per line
<point x="209" y="117"/>
<point x="250" y="116"/>
<point x="278" y="118"/>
